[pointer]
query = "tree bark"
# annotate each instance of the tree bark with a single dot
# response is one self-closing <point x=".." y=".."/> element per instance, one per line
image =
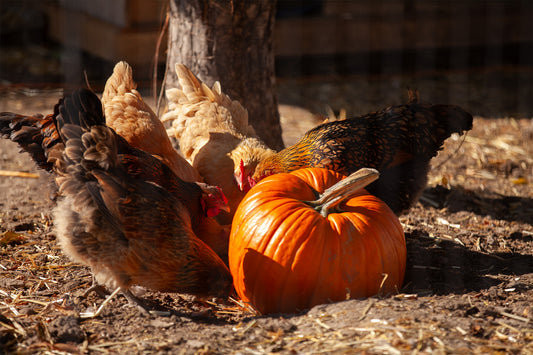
<point x="229" y="41"/>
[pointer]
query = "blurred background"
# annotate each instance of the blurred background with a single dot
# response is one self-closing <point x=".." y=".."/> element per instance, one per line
<point x="347" y="55"/>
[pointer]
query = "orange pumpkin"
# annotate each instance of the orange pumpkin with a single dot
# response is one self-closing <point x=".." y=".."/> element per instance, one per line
<point x="285" y="256"/>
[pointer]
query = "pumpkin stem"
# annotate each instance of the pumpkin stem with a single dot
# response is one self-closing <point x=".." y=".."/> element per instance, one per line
<point x="343" y="190"/>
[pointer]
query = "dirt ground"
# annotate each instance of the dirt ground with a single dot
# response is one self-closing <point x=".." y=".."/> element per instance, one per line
<point x="469" y="280"/>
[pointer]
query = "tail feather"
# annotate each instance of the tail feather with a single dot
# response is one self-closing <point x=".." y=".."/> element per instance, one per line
<point x="426" y="126"/>
<point x="190" y="84"/>
<point x="194" y="93"/>
<point x="35" y="135"/>
<point x="81" y="113"/>
<point x="452" y="119"/>
<point x="119" y="83"/>
<point x="82" y="108"/>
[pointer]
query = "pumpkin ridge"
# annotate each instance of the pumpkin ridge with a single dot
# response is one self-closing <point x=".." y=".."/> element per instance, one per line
<point x="334" y="262"/>
<point x="359" y="255"/>
<point x="296" y="284"/>
<point x="374" y="223"/>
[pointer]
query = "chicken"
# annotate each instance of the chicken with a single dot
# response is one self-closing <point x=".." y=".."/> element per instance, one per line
<point x="120" y="210"/>
<point x="398" y="141"/>
<point x="128" y="114"/>
<point x="214" y="135"/>
<point x="38" y="136"/>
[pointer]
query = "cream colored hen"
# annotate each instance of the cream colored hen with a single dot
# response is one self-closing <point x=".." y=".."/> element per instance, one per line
<point x="214" y="135"/>
<point x="129" y="115"/>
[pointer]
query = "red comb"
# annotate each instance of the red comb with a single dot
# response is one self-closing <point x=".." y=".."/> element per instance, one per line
<point x="222" y="194"/>
<point x="242" y="169"/>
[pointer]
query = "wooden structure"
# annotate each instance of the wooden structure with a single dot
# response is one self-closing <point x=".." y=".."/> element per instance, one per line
<point x="112" y="30"/>
<point x="129" y="29"/>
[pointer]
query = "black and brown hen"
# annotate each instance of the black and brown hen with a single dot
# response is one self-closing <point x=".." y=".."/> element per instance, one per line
<point x="398" y="141"/>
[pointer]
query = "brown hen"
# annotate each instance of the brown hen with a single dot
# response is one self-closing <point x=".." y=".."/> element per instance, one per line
<point x="37" y="135"/>
<point x="398" y="141"/>
<point x="120" y="210"/>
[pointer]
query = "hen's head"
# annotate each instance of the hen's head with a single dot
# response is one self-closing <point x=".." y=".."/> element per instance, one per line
<point x="245" y="158"/>
<point x="213" y="200"/>
<point x="243" y="177"/>
<point x="264" y="169"/>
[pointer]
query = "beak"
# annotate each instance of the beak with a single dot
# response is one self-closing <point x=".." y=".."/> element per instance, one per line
<point x="225" y="208"/>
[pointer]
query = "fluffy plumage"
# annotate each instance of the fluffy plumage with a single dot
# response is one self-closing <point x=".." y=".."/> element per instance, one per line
<point x="214" y="135"/>
<point x="129" y="115"/>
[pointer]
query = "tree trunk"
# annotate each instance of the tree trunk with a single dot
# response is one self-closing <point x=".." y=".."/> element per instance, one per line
<point x="229" y="41"/>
